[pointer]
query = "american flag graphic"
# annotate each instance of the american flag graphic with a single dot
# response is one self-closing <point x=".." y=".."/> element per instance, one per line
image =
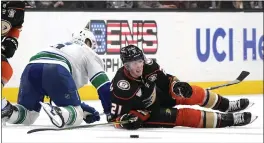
<point x="99" y="30"/>
<point x="114" y="34"/>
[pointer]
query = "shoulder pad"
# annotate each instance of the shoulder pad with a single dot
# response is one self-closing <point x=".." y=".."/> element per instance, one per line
<point x="151" y="64"/>
<point x="148" y="61"/>
<point x="150" y="68"/>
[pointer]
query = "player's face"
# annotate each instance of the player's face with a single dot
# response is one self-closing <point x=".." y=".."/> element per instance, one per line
<point x="136" y="68"/>
<point x="88" y="43"/>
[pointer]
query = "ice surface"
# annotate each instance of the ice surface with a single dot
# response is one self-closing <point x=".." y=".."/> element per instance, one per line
<point x="252" y="133"/>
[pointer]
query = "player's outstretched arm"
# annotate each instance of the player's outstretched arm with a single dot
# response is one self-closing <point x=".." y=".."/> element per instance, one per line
<point x="99" y="80"/>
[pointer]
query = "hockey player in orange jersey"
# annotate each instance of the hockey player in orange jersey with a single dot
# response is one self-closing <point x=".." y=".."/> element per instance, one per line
<point x="12" y="18"/>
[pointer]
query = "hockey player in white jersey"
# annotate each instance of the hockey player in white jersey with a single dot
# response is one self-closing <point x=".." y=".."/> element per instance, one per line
<point x="58" y="72"/>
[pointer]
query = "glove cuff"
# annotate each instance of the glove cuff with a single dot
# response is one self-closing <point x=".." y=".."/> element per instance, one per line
<point x="173" y="81"/>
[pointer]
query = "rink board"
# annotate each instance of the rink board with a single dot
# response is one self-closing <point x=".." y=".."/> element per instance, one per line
<point x="201" y="48"/>
<point x="90" y="93"/>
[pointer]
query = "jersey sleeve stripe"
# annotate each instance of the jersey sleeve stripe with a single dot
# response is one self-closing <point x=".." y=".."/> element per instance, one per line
<point x="99" y="80"/>
<point x="97" y="74"/>
<point x="152" y="73"/>
<point x="122" y="98"/>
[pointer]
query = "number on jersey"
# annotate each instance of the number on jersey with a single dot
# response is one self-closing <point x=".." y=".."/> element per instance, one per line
<point x="116" y="109"/>
<point x="59" y="46"/>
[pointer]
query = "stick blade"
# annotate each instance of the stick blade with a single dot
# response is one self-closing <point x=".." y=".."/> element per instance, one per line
<point x="243" y="75"/>
<point x="41" y="129"/>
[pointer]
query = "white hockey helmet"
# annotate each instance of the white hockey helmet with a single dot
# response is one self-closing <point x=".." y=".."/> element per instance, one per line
<point x="83" y="35"/>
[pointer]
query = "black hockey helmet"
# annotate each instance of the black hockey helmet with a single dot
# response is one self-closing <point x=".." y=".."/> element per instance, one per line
<point x="131" y="53"/>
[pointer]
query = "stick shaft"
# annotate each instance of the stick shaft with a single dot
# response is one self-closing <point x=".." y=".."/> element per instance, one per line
<point x="239" y="79"/>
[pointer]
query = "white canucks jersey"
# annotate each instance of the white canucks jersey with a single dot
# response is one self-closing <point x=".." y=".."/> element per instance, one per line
<point x="81" y="61"/>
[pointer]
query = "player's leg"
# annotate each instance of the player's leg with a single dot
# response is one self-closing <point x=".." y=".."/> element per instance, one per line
<point x="27" y="108"/>
<point x="61" y="88"/>
<point x="6" y="70"/>
<point x="209" y="99"/>
<point x="202" y="119"/>
<point x="187" y="117"/>
<point x="163" y="117"/>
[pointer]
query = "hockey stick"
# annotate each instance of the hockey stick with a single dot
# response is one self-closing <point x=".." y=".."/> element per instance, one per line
<point x="74" y="127"/>
<point x="240" y="78"/>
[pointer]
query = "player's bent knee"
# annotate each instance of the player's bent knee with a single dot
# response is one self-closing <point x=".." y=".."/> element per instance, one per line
<point x="198" y="96"/>
<point x="23" y="116"/>
<point x="73" y="115"/>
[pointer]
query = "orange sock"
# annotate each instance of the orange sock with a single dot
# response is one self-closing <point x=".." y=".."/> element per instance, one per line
<point x="7" y="72"/>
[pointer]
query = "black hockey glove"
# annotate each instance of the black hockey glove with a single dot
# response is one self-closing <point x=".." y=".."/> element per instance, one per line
<point x="182" y="89"/>
<point x="90" y="115"/>
<point x="90" y="118"/>
<point x="133" y="120"/>
<point x="9" y="46"/>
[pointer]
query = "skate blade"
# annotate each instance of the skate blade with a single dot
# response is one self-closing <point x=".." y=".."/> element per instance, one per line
<point x="253" y="118"/>
<point x="250" y="105"/>
<point x="55" y="118"/>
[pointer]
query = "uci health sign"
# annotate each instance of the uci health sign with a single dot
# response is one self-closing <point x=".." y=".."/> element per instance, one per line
<point x="248" y="39"/>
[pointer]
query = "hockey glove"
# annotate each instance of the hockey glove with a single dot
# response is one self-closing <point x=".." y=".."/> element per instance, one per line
<point x="9" y="46"/>
<point x="133" y="120"/>
<point x="90" y="115"/>
<point x="182" y="89"/>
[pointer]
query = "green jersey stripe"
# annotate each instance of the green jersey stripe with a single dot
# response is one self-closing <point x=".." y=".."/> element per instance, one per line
<point x="51" y="56"/>
<point x="99" y="80"/>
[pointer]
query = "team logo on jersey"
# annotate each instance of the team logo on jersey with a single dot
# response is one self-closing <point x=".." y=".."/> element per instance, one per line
<point x="153" y="77"/>
<point x="67" y="96"/>
<point x="123" y="84"/>
<point x="6" y="26"/>
<point x="168" y="111"/>
<point x="11" y="13"/>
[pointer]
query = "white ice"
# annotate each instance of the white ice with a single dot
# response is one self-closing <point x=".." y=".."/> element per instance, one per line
<point x="252" y="133"/>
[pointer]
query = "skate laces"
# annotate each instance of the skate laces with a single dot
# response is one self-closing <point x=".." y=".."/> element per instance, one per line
<point x="238" y="118"/>
<point x="234" y="105"/>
